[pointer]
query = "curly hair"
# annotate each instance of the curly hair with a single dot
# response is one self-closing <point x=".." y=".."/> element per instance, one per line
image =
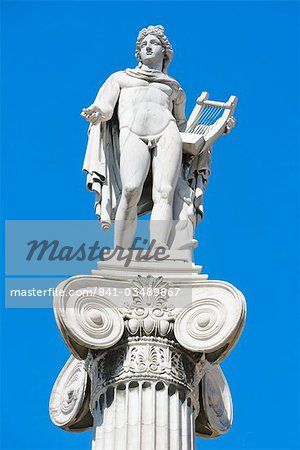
<point x="159" y="32"/>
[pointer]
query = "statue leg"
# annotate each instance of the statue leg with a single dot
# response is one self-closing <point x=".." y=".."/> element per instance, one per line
<point x="166" y="167"/>
<point x="134" y="166"/>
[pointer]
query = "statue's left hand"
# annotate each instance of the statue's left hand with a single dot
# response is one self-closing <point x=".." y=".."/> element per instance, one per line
<point x="230" y="124"/>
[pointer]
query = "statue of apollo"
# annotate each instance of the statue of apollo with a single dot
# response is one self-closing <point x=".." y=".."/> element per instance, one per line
<point x="135" y="159"/>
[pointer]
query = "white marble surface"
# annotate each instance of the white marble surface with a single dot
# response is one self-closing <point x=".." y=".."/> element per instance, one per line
<point x="142" y="346"/>
<point x="137" y="128"/>
<point x="147" y="336"/>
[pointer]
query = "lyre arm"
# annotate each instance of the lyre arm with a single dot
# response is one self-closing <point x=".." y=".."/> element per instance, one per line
<point x="218" y="130"/>
<point x="225" y="105"/>
<point x="196" y="113"/>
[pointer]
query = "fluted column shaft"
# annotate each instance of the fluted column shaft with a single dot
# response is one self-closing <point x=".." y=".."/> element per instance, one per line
<point x="143" y="415"/>
<point x="144" y="395"/>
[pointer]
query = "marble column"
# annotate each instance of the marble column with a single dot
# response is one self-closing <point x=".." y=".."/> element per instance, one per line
<point x="145" y="371"/>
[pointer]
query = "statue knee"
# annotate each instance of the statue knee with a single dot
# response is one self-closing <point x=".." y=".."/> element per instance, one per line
<point x="163" y="194"/>
<point x="131" y="192"/>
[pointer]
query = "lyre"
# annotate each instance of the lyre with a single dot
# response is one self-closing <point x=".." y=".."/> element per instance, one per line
<point x="207" y="122"/>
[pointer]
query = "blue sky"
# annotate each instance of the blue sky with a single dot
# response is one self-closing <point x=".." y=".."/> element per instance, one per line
<point x="55" y="55"/>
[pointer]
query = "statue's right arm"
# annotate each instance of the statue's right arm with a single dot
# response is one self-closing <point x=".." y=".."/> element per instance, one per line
<point x="108" y="95"/>
<point x="101" y="110"/>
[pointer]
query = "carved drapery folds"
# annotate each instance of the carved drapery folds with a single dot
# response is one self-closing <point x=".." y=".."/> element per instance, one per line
<point x="135" y="349"/>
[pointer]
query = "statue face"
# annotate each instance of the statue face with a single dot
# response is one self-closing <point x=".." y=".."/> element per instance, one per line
<point x="152" y="50"/>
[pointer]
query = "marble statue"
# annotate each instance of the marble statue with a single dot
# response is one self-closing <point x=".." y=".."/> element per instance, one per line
<point x="147" y="338"/>
<point x="135" y="124"/>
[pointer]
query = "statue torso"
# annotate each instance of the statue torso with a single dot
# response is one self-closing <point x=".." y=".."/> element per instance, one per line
<point x="144" y="107"/>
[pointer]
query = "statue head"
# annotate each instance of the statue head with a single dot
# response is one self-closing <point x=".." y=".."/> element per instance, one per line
<point x="158" y="33"/>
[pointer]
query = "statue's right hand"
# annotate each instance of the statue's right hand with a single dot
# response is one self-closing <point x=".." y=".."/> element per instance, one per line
<point x="92" y="114"/>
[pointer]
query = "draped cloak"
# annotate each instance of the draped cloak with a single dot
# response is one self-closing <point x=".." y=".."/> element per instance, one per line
<point x="102" y="162"/>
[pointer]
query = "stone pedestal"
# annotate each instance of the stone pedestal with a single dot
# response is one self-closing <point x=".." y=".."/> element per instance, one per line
<point x="146" y="341"/>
